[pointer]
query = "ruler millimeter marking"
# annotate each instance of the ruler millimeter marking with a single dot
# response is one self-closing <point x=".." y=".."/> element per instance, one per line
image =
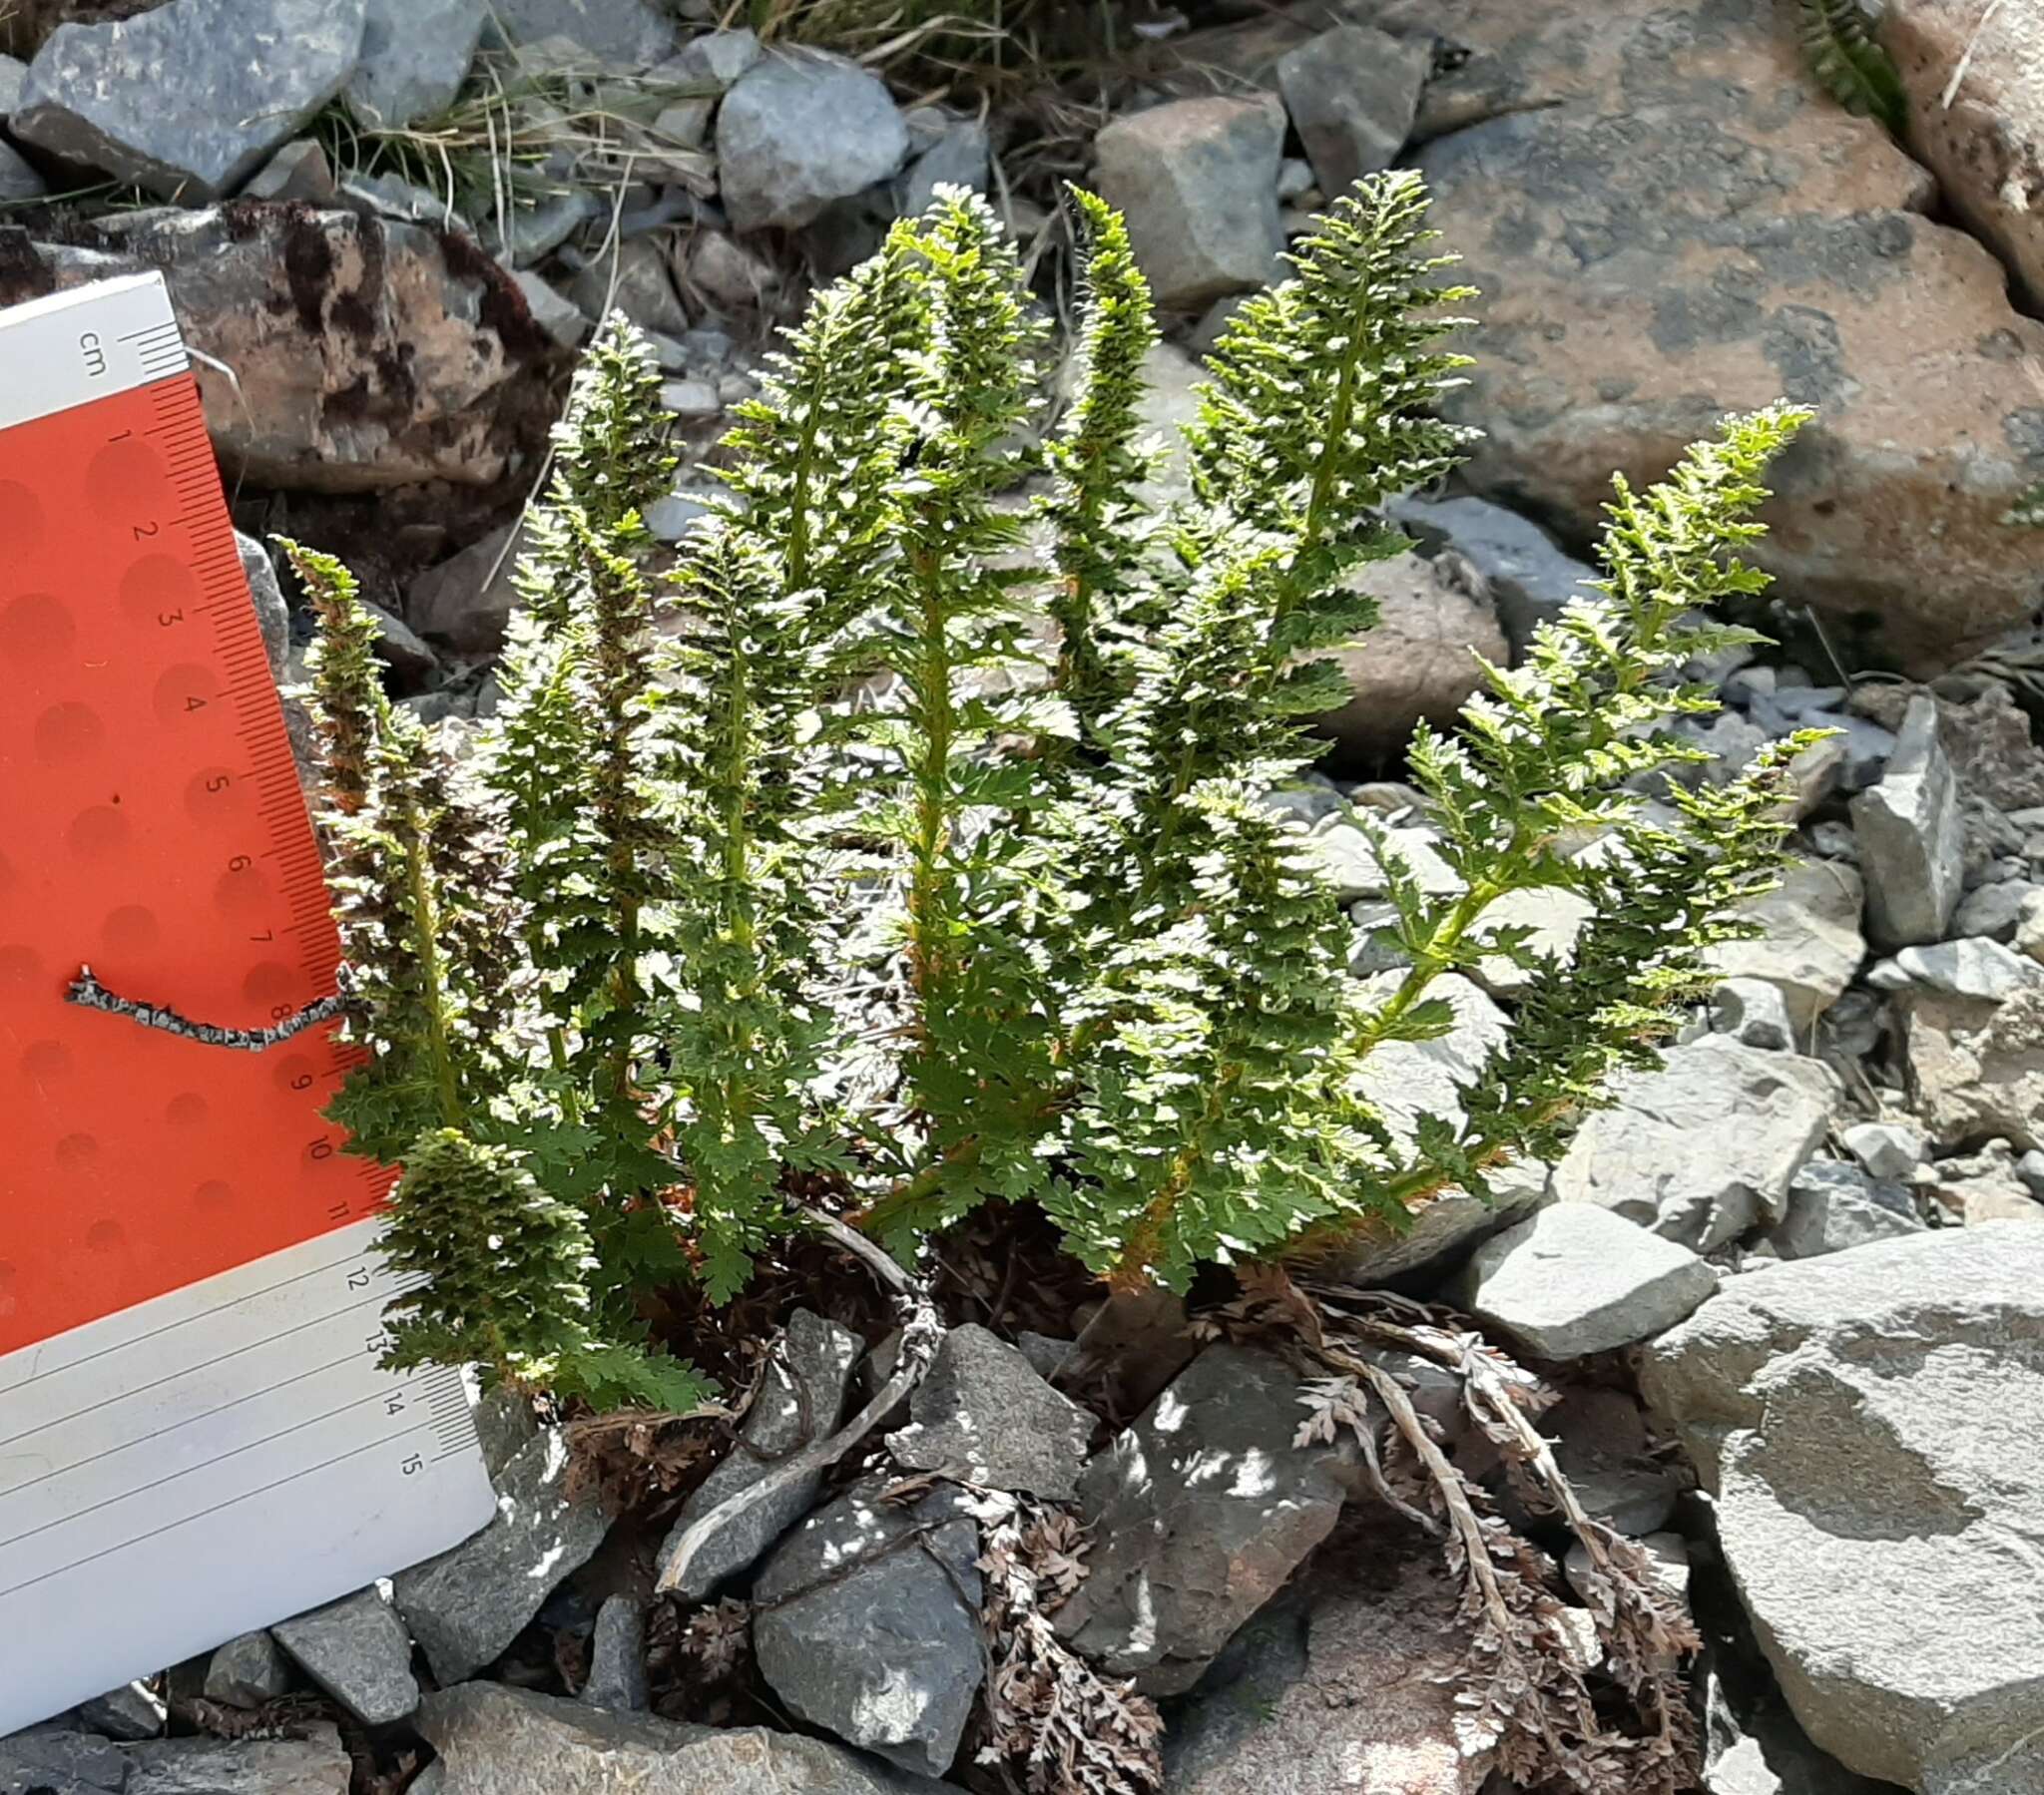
<point x="197" y="1437"/>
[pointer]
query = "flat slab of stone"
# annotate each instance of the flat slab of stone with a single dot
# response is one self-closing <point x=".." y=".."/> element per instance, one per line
<point x="193" y="98"/>
<point x="1871" y="1426"/>
<point x="495" y="1740"/>
<point x="1578" y="1278"/>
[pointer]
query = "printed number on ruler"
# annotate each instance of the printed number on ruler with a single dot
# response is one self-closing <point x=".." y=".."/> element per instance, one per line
<point x="152" y="827"/>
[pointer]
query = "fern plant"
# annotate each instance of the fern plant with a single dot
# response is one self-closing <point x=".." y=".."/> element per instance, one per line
<point x="1856" y="71"/>
<point x="809" y="873"/>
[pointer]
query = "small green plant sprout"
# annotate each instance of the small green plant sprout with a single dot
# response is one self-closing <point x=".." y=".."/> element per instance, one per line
<point x="804" y="881"/>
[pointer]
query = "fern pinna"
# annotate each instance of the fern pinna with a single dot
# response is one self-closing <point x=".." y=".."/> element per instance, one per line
<point x="907" y="843"/>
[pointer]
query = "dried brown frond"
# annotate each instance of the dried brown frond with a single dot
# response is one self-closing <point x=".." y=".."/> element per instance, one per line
<point x="1052" y="1720"/>
<point x="700" y="1662"/>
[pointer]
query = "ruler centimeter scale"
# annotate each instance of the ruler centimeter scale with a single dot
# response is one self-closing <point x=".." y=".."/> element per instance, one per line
<point x="196" y="1438"/>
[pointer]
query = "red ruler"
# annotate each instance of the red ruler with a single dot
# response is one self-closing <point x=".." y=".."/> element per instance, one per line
<point x="190" y="1301"/>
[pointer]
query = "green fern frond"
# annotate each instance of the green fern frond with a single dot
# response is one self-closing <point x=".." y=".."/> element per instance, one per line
<point x="1844" y="55"/>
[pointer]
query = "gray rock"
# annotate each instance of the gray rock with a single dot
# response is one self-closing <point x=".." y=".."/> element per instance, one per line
<point x="638" y="285"/>
<point x="1409" y="1079"/>
<point x="192" y="98"/>
<point x="2030" y="1168"/>
<point x="1531" y="578"/>
<point x="1668" y="1555"/>
<point x="1754" y="1012"/>
<point x="719" y="57"/>
<point x="1911" y="843"/>
<point x="616" y="1657"/>
<point x="1871" y="1426"/>
<point x="466" y="1606"/>
<point x="1977" y="1068"/>
<point x="415" y="56"/>
<point x="731" y="274"/>
<point x="266" y="595"/>
<point x="1887" y="1150"/>
<point x="802" y="1400"/>
<point x="247" y="1671"/>
<point x="1367" y="1705"/>
<point x="1603" y="1449"/>
<point x="1353" y="93"/>
<point x="1994" y="911"/>
<point x="299" y="171"/>
<point x="1809" y="946"/>
<point x="1199" y="1512"/>
<point x="867" y="1624"/>
<point x="133" y="1712"/>
<point x="1442" y="1233"/>
<point x="690" y="401"/>
<point x="62" y="1762"/>
<point x="494" y="1740"/>
<point x="1704" y="1148"/>
<point x="983" y="1416"/>
<point x="1976" y="968"/>
<point x="798" y="130"/>
<point x="533" y="232"/>
<point x="2029" y="934"/>
<point x="961" y="157"/>
<point x="392" y="196"/>
<point x="1579" y="1279"/>
<point x="462" y="602"/>
<point x="357" y="1650"/>
<point x="1555" y="918"/>
<point x="13" y="77"/>
<point x="627" y="34"/>
<point x="313" y="1765"/>
<point x="552" y="310"/>
<point x="670" y="517"/>
<point x="1349" y="861"/>
<point x="1833" y="1206"/>
<point x="19" y="179"/>
<point x="1198" y="183"/>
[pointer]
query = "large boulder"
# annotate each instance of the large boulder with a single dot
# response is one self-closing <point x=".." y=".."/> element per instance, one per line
<point x="1669" y="220"/>
<point x="1974" y="77"/>
<point x="344" y="352"/>
<point x="1199" y="1512"/>
<point x="1871" y="1426"/>
<point x="494" y="1740"/>
<point x="1704" y="1148"/>
<point x="190" y="99"/>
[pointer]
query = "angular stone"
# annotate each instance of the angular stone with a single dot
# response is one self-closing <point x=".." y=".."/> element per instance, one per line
<point x="983" y="1416"/>
<point x="552" y="310"/>
<point x="366" y="354"/>
<point x="729" y="273"/>
<point x="247" y="1671"/>
<point x="1871" y="1426"/>
<point x="13" y="77"/>
<point x="495" y="1740"/>
<point x="1530" y="576"/>
<point x="1604" y="1447"/>
<point x="1371" y="1709"/>
<point x="2029" y="936"/>
<point x="626" y="34"/>
<point x="133" y="1712"/>
<point x="637" y="284"/>
<point x="1198" y="183"/>
<point x="1911" y="842"/>
<point x="1198" y="1514"/>
<point x="415" y="56"/>
<point x="1408" y="1079"/>
<point x="466" y="1606"/>
<point x="299" y="171"/>
<point x="801" y="1401"/>
<point x="616" y="1657"/>
<point x="867" y="1624"/>
<point x="800" y="130"/>
<point x="960" y="157"/>
<point x="268" y="596"/>
<point x="1975" y="968"/>
<point x="1419" y="661"/>
<point x="18" y="177"/>
<point x="190" y="99"/>
<point x="1353" y="94"/>
<point x="1887" y="1150"/>
<point x="1974" y="77"/>
<point x="357" y="1650"/>
<point x="1833" y="1206"/>
<point x="1975" y="1068"/>
<point x="466" y="601"/>
<point x="313" y="1765"/>
<point x="61" y="1761"/>
<point x="1579" y="1279"/>
<point x="1810" y="947"/>
<point x="1702" y="1149"/>
<point x="1442" y="1233"/>
<point x="1754" y="1012"/>
<point x="1684" y="225"/>
<point x="690" y="401"/>
<point x="1994" y="911"/>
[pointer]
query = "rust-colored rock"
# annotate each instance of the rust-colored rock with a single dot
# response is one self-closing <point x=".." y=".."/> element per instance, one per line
<point x="365" y="354"/>
<point x="1669" y="220"/>
<point x="1984" y="137"/>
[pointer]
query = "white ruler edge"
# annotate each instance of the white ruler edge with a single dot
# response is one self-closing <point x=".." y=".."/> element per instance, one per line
<point x="214" y="1460"/>
<point x="87" y="344"/>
